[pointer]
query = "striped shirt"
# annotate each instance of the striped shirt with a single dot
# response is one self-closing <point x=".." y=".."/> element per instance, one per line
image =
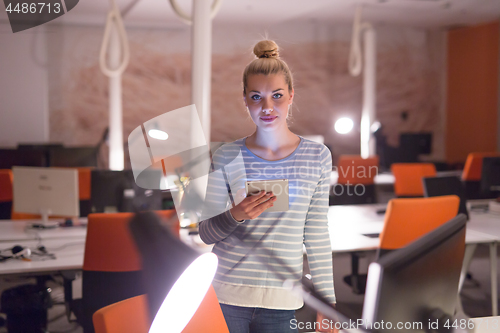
<point x="256" y="256"/>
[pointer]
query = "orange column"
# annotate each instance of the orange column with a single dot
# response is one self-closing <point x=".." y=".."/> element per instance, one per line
<point x="472" y="91"/>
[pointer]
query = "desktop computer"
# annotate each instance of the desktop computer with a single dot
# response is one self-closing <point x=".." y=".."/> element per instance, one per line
<point x="117" y="191"/>
<point x="417" y="286"/>
<point x="490" y="176"/>
<point x="447" y="185"/>
<point x="46" y="191"/>
<point x="74" y="156"/>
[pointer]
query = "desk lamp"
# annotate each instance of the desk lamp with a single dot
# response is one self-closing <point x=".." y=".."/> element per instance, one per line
<point x="176" y="277"/>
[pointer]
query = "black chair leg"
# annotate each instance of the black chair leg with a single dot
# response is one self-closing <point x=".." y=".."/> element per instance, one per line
<point x="355" y="280"/>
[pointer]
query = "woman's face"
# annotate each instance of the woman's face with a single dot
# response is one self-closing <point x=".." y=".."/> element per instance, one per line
<point x="267" y="98"/>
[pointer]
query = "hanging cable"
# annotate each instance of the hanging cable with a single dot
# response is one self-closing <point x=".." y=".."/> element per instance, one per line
<point x="114" y="17"/>
<point x="187" y="18"/>
<point x="355" y="57"/>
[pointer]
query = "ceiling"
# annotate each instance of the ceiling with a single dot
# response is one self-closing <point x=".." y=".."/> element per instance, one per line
<point x="413" y="13"/>
<point x="417" y="13"/>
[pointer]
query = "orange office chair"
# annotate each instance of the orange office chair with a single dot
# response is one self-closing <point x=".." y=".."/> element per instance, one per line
<point x="5" y="193"/>
<point x="131" y="316"/>
<point x="407" y="219"/>
<point x="111" y="266"/>
<point x="353" y="171"/>
<point x="408" y="178"/>
<point x="471" y="175"/>
<point x="84" y="190"/>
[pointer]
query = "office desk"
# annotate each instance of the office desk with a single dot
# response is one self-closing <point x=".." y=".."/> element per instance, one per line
<point x="66" y="243"/>
<point x="348" y="223"/>
<point x="19" y="230"/>
<point x="387" y="178"/>
<point x="68" y="256"/>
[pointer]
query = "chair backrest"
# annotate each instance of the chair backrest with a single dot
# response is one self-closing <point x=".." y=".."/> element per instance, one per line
<point x="209" y="317"/>
<point x="112" y="264"/>
<point x="408" y="178"/>
<point x="411" y="218"/>
<point x="84" y="182"/>
<point x="131" y="315"/>
<point x="353" y="169"/>
<point x="474" y="165"/>
<point x="109" y="246"/>
<point x="6" y="179"/>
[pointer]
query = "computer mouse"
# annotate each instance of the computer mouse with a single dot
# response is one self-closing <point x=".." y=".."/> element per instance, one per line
<point x="19" y="251"/>
<point x="68" y="223"/>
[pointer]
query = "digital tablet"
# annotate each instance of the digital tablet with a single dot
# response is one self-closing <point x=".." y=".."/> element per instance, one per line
<point x="279" y="187"/>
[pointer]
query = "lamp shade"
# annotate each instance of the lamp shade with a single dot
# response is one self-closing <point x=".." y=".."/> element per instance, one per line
<point x="185" y="296"/>
<point x="164" y="258"/>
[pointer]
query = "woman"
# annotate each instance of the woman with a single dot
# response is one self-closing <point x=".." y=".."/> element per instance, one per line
<point x="258" y="250"/>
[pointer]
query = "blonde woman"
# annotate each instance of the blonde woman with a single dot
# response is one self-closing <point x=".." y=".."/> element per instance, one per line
<point x="257" y="250"/>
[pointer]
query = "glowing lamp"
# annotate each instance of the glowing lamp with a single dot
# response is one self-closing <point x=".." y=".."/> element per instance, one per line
<point x="344" y="125"/>
<point x="176" y="277"/>
<point x="157" y="134"/>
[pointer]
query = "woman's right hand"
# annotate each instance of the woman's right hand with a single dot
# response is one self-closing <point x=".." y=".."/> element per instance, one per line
<point x="253" y="205"/>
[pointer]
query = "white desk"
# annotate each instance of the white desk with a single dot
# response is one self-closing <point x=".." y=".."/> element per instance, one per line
<point x="68" y="256"/>
<point x="379" y="179"/>
<point x="19" y="230"/>
<point x="348" y="223"/>
<point x="387" y="178"/>
<point x="66" y="243"/>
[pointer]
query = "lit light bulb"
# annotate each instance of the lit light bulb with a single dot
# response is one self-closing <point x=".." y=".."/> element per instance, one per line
<point x="344" y="125"/>
<point x="157" y="134"/>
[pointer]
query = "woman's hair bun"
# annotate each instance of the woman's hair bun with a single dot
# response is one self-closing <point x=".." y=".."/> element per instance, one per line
<point x="266" y="49"/>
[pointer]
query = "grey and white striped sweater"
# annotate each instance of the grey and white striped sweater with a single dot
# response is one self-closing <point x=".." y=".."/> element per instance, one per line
<point x="255" y="256"/>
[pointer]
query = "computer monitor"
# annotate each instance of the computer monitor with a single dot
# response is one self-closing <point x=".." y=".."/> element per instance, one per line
<point x="447" y="185"/>
<point x="417" y="283"/>
<point x="490" y="176"/>
<point x="44" y="148"/>
<point x="420" y="143"/>
<point x="46" y="191"/>
<point x="74" y="156"/>
<point x="15" y="157"/>
<point x="116" y="191"/>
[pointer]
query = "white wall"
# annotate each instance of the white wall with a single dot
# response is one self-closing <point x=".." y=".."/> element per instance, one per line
<point x="24" y="115"/>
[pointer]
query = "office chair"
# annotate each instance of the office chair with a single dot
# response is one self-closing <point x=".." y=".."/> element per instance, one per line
<point x="6" y="179"/>
<point x="408" y="178"/>
<point x="354" y="170"/>
<point x="84" y="190"/>
<point x="407" y="219"/>
<point x="131" y="315"/>
<point x="471" y="175"/>
<point x="111" y="266"/>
